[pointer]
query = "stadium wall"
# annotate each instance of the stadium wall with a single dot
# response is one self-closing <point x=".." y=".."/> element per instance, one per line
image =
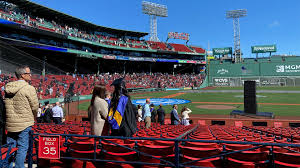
<point x="265" y="73"/>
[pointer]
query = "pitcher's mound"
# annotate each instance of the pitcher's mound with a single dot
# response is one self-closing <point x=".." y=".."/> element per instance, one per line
<point x="216" y="107"/>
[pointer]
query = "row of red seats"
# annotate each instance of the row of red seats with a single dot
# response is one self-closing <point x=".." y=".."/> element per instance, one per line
<point x="83" y="147"/>
<point x="180" y="47"/>
<point x="286" y="132"/>
<point x="259" y="157"/>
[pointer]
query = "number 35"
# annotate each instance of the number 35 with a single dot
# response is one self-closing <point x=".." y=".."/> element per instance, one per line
<point x="50" y="151"/>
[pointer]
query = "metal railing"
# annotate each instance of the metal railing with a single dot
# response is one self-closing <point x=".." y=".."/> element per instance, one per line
<point x="162" y="162"/>
<point x="4" y="161"/>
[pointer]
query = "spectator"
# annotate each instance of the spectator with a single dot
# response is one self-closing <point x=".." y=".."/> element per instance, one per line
<point x="153" y="113"/>
<point x="2" y="122"/>
<point x="98" y="111"/>
<point x="58" y="113"/>
<point x="64" y="110"/>
<point x="161" y="115"/>
<point x="21" y="105"/>
<point x="139" y="113"/>
<point x="147" y="114"/>
<point x="47" y="113"/>
<point x="122" y="116"/>
<point x="39" y="114"/>
<point x="50" y="91"/>
<point x="185" y="115"/>
<point x="174" y="116"/>
<point x="108" y="97"/>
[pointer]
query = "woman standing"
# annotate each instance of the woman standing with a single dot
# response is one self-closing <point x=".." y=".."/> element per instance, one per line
<point x="185" y="115"/>
<point x="98" y="111"/>
<point x="140" y="113"/>
<point x="122" y="115"/>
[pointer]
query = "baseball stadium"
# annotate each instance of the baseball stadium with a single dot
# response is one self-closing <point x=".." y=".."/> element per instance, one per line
<point x="243" y="111"/>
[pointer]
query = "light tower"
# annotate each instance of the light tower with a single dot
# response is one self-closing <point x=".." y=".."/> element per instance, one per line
<point x="154" y="10"/>
<point x="235" y="15"/>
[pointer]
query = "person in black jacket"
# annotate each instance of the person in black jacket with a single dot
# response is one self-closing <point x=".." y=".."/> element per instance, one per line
<point x="161" y="115"/>
<point x="47" y="113"/>
<point x="2" y="121"/>
<point x="153" y="113"/>
<point x="121" y="115"/>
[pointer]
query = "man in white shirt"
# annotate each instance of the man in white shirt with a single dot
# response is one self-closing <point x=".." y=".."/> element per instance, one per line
<point x="58" y="113"/>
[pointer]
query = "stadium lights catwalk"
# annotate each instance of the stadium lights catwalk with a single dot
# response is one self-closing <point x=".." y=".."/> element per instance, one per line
<point x="154" y="10"/>
<point x="235" y="15"/>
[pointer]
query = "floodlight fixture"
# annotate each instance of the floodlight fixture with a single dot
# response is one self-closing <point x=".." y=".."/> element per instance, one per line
<point x="235" y="15"/>
<point x="154" y="10"/>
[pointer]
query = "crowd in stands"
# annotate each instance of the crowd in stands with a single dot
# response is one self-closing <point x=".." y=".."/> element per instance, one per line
<point x="18" y="16"/>
<point x="57" y="86"/>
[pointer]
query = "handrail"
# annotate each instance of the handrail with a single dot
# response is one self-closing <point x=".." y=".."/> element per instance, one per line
<point x="4" y="162"/>
<point x="176" y="141"/>
<point x="188" y="132"/>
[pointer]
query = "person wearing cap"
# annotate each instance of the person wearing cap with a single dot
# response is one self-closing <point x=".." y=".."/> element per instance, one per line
<point x="47" y="113"/>
<point x="121" y="115"/>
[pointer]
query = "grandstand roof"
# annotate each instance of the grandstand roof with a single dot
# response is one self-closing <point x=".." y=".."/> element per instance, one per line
<point x="42" y="11"/>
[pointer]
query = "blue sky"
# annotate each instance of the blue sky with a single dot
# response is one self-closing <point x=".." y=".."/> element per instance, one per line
<point x="268" y="21"/>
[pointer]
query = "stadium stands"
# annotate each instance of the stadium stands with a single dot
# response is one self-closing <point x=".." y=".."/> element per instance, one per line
<point x="55" y="86"/>
<point x="40" y="23"/>
<point x="180" y="47"/>
<point x="198" y="49"/>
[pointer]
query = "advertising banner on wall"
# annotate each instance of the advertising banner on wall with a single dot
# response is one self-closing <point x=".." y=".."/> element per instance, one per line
<point x="263" y="49"/>
<point x="280" y="69"/>
<point x="222" y="51"/>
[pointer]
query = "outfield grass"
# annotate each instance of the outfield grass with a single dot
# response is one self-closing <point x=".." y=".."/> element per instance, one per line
<point x="278" y="110"/>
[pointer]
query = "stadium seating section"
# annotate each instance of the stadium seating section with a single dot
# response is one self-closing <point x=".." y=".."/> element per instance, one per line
<point x="54" y="86"/>
<point x="122" y="150"/>
<point x="40" y="23"/>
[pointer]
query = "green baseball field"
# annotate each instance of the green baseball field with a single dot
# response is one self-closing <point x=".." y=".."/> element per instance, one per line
<point x="282" y="101"/>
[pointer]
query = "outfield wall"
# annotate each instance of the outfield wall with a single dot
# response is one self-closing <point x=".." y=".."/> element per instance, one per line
<point x="265" y="73"/>
<point x="88" y="97"/>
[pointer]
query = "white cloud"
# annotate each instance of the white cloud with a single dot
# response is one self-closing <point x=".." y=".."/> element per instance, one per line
<point x="275" y="23"/>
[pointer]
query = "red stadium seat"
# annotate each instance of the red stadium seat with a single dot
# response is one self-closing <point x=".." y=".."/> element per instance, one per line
<point x="279" y="164"/>
<point x="129" y="156"/>
<point x="250" y="158"/>
<point x="199" y="152"/>
<point x="290" y="158"/>
<point x="213" y="162"/>
<point x="237" y="146"/>
<point x="202" y="145"/>
<point x="84" y="154"/>
<point x="162" y="152"/>
<point x="243" y="164"/>
<point x="117" y="149"/>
